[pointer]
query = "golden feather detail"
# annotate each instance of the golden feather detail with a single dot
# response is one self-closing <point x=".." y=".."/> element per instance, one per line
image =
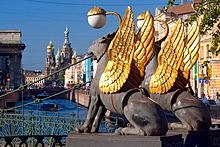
<point x="120" y="54"/>
<point x="144" y="45"/>
<point x="169" y="60"/>
<point x="191" y="50"/>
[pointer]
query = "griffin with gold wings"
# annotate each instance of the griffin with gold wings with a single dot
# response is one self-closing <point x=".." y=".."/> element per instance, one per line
<point x="175" y="59"/>
<point x="134" y="51"/>
<point x="128" y="54"/>
<point x="128" y="60"/>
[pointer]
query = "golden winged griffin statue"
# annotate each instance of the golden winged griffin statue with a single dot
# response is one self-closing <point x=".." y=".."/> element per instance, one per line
<point x="129" y="50"/>
<point x="141" y="77"/>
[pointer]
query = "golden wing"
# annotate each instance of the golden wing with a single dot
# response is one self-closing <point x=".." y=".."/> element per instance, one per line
<point x="191" y="50"/>
<point x="144" y="45"/>
<point x="169" y="59"/>
<point x="120" y="54"/>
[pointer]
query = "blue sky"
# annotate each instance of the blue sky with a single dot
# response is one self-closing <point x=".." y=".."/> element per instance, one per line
<point x="43" y="20"/>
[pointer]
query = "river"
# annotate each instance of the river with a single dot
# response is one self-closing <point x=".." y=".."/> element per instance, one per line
<point x="64" y="107"/>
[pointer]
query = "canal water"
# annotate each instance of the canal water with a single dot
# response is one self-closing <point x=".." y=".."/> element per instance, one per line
<point x="62" y="106"/>
<point x="65" y="109"/>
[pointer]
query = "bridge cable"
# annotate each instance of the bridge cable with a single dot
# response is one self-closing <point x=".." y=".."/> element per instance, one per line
<point x="77" y="86"/>
<point x="21" y="88"/>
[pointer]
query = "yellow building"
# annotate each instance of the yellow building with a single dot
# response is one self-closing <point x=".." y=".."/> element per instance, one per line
<point x="73" y="74"/>
<point x="209" y="67"/>
<point x="205" y="75"/>
<point x="33" y="76"/>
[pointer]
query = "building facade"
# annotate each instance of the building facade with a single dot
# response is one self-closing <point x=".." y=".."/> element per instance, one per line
<point x="56" y="62"/>
<point x="66" y="51"/>
<point x="33" y="76"/>
<point x="62" y="58"/>
<point x="11" y="48"/>
<point x="87" y="71"/>
<point x="50" y="59"/>
<point x="71" y="73"/>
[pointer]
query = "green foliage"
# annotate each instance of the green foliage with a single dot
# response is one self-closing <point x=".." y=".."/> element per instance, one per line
<point x="61" y="78"/>
<point x="209" y="11"/>
<point x="170" y="3"/>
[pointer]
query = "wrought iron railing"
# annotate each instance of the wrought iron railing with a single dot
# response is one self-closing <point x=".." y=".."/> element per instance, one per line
<point x="32" y="140"/>
<point x="47" y="128"/>
<point x="36" y="127"/>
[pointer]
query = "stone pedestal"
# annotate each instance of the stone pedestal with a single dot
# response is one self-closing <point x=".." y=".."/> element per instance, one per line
<point x="209" y="138"/>
<point x="113" y="140"/>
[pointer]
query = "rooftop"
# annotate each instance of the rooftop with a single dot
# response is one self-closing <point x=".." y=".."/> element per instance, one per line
<point x="185" y="8"/>
<point x="10" y="36"/>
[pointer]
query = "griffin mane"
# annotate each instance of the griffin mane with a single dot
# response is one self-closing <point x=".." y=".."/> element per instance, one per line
<point x="104" y="42"/>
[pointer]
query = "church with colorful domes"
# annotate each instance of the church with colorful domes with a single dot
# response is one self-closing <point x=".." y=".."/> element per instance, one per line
<point x="63" y="57"/>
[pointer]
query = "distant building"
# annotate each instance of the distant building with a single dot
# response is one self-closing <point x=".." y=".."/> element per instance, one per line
<point x="82" y="72"/>
<point x="74" y="74"/>
<point x="66" y="51"/>
<point x="11" y="48"/>
<point x="50" y="59"/>
<point x="87" y="71"/>
<point x="61" y="59"/>
<point x="32" y="76"/>
<point x="71" y="74"/>
<point x="79" y="69"/>
<point x="54" y="62"/>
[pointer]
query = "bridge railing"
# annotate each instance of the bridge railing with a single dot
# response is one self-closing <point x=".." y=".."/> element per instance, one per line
<point x="33" y="127"/>
<point x="19" y="124"/>
<point x="32" y="140"/>
<point x="47" y="128"/>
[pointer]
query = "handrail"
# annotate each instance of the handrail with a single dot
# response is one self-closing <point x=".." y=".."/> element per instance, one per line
<point x="77" y="86"/>
<point x="21" y="88"/>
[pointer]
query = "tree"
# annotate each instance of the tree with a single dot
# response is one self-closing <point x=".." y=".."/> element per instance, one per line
<point x="170" y="3"/>
<point x="209" y="12"/>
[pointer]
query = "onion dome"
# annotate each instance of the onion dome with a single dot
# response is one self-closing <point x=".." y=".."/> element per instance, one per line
<point x="50" y="45"/>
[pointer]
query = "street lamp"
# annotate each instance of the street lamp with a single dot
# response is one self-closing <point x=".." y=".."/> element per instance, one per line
<point x="97" y="17"/>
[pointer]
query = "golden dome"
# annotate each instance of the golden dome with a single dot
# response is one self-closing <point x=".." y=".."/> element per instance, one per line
<point x="96" y="10"/>
<point x="50" y="45"/>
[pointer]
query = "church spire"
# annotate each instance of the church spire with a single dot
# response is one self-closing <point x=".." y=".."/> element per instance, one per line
<point x="66" y="33"/>
<point x="74" y="53"/>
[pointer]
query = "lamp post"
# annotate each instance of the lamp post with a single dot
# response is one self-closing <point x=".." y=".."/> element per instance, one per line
<point x="97" y="17"/>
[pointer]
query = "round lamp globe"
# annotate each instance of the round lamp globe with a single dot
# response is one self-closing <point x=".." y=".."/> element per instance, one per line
<point x="97" y="21"/>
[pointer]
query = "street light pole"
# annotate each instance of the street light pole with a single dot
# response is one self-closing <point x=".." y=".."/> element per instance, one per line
<point x="97" y="17"/>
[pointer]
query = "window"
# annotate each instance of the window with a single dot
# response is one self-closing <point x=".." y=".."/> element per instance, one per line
<point x="207" y="50"/>
<point x="201" y="53"/>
